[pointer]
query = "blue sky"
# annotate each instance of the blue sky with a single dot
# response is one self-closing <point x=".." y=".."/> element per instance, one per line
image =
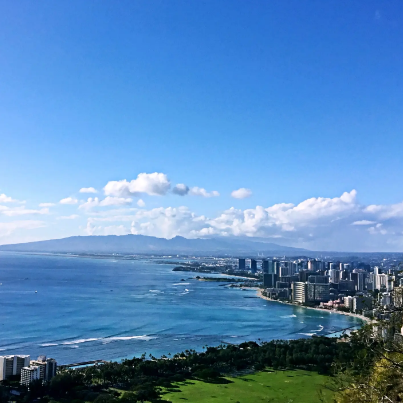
<point x="292" y="100"/>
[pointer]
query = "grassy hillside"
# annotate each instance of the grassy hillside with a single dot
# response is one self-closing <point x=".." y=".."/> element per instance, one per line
<point x="266" y="386"/>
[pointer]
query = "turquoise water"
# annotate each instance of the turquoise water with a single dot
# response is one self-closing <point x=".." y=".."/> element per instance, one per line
<point x="87" y="309"/>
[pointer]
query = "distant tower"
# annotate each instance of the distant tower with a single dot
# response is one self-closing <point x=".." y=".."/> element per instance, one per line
<point x="253" y="265"/>
<point x="265" y="266"/>
<point x="241" y="264"/>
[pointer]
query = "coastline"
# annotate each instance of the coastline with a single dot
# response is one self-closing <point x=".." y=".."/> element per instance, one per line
<point x="361" y="317"/>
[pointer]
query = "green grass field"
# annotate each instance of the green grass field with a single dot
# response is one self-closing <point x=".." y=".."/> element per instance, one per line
<point x="266" y="386"/>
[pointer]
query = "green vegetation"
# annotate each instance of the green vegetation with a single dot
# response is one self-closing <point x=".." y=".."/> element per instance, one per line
<point x="366" y="367"/>
<point x="267" y="386"/>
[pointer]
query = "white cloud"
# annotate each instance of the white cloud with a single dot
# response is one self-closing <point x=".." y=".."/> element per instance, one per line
<point x="386" y="211"/>
<point x="7" y="228"/>
<point x="155" y="184"/>
<point x="320" y="223"/>
<point x="241" y="193"/>
<point x="46" y="204"/>
<point x="18" y="211"/>
<point x="180" y="189"/>
<point x="68" y="200"/>
<point x="108" y="201"/>
<point x="316" y="223"/>
<point x="141" y="203"/>
<point x="91" y="229"/>
<point x="8" y="199"/>
<point x="68" y="217"/>
<point x="88" y="190"/>
<point x="363" y="222"/>
<point x="196" y="191"/>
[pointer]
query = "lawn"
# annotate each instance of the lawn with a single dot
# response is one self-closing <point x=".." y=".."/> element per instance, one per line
<point x="266" y="386"/>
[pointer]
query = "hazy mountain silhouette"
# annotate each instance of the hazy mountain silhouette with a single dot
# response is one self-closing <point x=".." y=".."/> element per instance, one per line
<point x="138" y="244"/>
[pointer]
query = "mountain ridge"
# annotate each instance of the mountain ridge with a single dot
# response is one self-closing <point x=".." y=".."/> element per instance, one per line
<point x="138" y="244"/>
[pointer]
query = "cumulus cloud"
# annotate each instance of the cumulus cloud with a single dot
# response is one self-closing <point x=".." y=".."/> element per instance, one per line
<point x="108" y="201"/>
<point x="46" y="204"/>
<point x="317" y="223"/>
<point x="155" y="184"/>
<point x="88" y="190"/>
<point x="241" y="193"/>
<point x="196" y="191"/>
<point x="180" y="189"/>
<point x="68" y="200"/>
<point x="386" y="211"/>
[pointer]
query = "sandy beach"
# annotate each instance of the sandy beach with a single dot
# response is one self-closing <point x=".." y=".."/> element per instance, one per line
<point x="363" y="318"/>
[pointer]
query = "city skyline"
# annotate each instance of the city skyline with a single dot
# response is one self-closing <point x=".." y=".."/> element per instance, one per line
<point x="270" y="120"/>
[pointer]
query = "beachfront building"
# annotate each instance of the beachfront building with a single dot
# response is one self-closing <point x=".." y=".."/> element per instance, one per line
<point x="30" y="374"/>
<point x="47" y="367"/>
<point x="12" y="365"/>
<point x="348" y="302"/>
<point x="269" y="280"/>
<point x="298" y="292"/>
<point x="362" y="302"/>
<point x="318" y="292"/>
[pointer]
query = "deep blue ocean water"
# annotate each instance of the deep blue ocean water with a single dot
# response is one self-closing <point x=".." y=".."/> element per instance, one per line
<point x="88" y="308"/>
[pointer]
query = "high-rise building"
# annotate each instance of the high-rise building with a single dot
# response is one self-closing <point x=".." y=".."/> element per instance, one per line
<point x="6" y="367"/>
<point x="29" y="374"/>
<point x="318" y="292"/>
<point x="346" y="286"/>
<point x="318" y="279"/>
<point x="269" y="280"/>
<point x="348" y="302"/>
<point x="274" y="267"/>
<point x="298" y="292"/>
<point x="47" y="367"/>
<point x="381" y="281"/>
<point x="361" y="281"/>
<point x="253" y="265"/>
<point x="51" y="367"/>
<point x="241" y="264"/>
<point x="362" y="302"/>
<point x="12" y="365"/>
<point x="334" y="276"/>
<point x="265" y="266"/>
<point x="283" y="271"/>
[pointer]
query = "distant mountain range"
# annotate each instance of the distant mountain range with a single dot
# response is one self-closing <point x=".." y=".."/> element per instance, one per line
<point x="141" y="244"/>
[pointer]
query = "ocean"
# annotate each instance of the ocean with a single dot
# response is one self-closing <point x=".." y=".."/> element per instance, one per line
<point x="76" y="309"/>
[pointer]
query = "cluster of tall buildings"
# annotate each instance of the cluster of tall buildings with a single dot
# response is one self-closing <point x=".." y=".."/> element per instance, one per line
<point x="314" y="281"/>
<point x="29" y="370"/>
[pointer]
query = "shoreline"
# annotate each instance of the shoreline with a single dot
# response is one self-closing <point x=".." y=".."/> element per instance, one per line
<point x="354" y="315"/>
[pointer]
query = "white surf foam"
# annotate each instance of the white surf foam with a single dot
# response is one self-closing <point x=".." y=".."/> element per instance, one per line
<point x="79" y="341"/>
<point x="318" y="330"/>
<point x="125" y="338"/>
<point x="288" y="316"/>
<point x="48" y="344"/>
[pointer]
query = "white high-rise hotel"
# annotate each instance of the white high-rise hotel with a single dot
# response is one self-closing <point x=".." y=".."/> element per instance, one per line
<point x="12" y="365"/>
